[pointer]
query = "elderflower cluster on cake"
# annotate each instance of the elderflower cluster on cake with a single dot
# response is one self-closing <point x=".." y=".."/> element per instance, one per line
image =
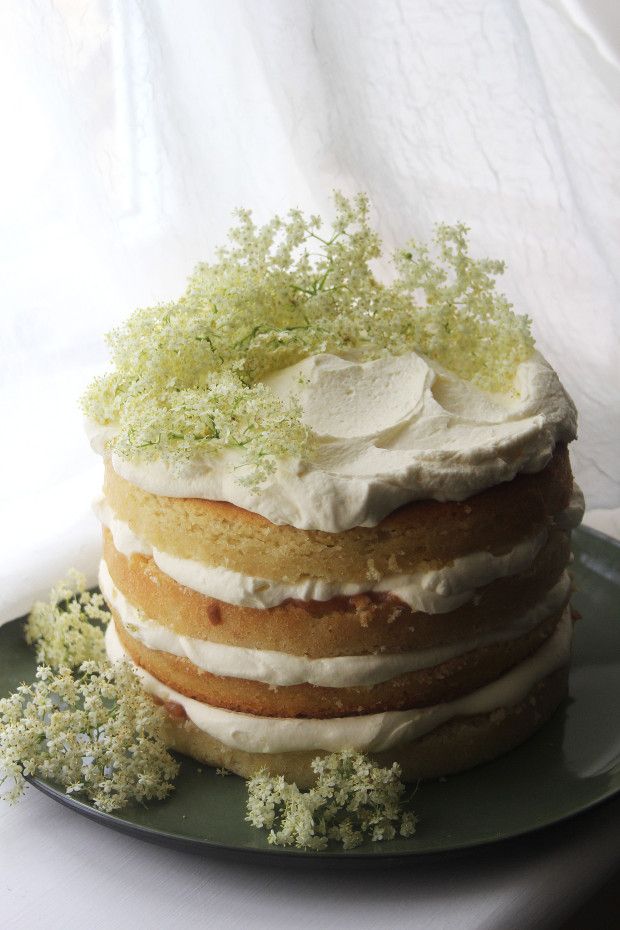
<point x="188" y="376"/>
<point x="336" y="512"/>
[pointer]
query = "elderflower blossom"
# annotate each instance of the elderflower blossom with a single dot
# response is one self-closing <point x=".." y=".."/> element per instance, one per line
<point x="83" y="724"/>
<point x="352" y="799"/>
<point x="95" y="733"/>
<point x="62" y="628"/>
<point x="187" y="375"/>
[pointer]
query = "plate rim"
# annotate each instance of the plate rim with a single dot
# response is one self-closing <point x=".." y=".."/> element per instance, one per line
<point x="291" y="854"/>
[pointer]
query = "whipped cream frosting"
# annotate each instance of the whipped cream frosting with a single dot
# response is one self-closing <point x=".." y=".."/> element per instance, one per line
<point x="280" y="668"/>
<point x="368" y="732"/>
<point x="383" y="433"/>
<point x="432" y="591"/>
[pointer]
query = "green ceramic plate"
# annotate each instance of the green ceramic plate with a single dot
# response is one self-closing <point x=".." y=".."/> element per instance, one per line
<point x="572" y="764"/>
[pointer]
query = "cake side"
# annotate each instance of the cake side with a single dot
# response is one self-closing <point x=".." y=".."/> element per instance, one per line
<point x="336" y="510"/>
<point x="451" y="748"/>
<point x="405" y="659"/>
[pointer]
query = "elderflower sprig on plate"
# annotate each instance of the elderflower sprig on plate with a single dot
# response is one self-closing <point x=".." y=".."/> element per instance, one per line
<point x="353" y="799"/>
<point x="83" y="723"/>
<point x="62" y="628"/>
<point x="95" y="732"/>
<point x="187" y="375"/>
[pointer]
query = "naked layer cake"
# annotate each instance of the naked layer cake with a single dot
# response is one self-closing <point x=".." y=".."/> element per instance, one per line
<point x="336" y="513"/>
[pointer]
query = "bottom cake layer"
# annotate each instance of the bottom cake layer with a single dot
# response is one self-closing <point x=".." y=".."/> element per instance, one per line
<point x="426" y="742"/>
<point x="454" y="747"/>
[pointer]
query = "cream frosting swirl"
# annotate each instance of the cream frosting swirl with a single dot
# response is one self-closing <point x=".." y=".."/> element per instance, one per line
<point x="383" y="433"/>
<point x="367" y="732"/>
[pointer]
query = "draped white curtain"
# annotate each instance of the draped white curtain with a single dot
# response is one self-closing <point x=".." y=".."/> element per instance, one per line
<point x="130" y="130"/>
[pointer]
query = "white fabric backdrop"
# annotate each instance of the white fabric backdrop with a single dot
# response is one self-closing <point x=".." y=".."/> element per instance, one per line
<point x="130" y="130"/>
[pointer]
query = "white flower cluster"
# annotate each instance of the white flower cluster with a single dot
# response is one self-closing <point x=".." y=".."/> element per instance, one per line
<point x="95" y="732"/>
<point x="83" y="724"/>
<point x="353" y="799"/>
<point x="62" y="629"/>
<point x="187" y="376"/>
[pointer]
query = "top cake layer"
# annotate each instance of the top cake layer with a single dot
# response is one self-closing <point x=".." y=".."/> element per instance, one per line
<point x="291" y="381"/>
<point x="382" y="433"/>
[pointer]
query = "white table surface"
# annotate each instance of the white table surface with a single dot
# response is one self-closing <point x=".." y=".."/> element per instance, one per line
<point x="61" y="871"/>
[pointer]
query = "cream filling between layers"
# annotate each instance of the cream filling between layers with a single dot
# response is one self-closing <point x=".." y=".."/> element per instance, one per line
<point x="281" y="668"/>
<point x="369" y="732"/>
<point x="433" y="591"/>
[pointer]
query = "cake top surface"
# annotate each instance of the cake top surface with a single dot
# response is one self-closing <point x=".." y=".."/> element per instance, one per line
<point x="289" y="380"/>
